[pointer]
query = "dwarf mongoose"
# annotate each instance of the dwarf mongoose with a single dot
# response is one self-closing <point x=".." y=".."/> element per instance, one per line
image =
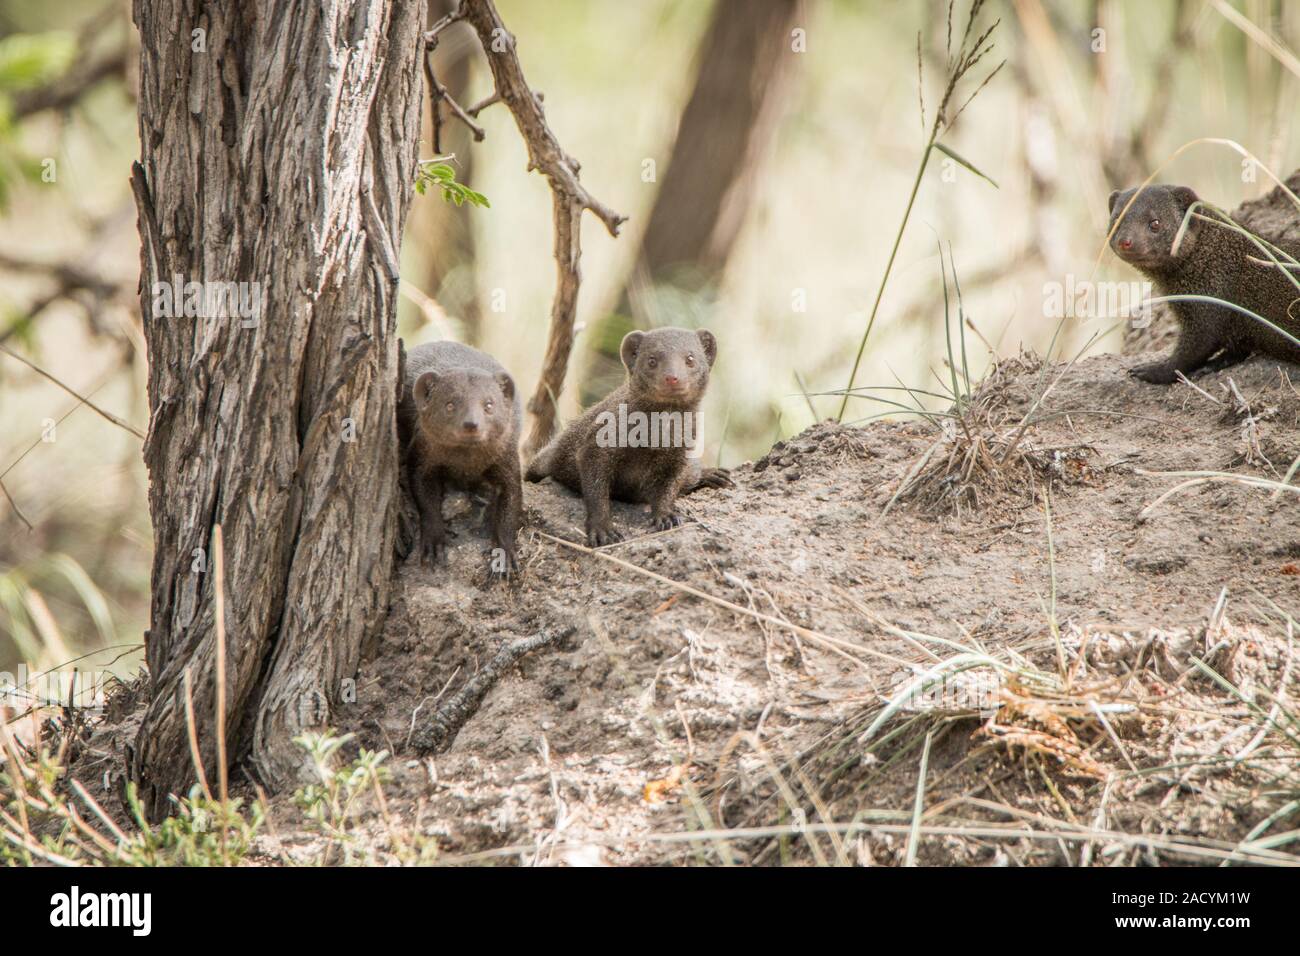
<point x="1213" y="260"/>
<point x="640" y="443"/>
<point x="458" y="422"/>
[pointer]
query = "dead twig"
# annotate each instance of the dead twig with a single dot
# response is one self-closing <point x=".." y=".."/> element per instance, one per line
<point x="88" y="403"/>
<point x="447" y="720"/>
<point x="439" y="94"/>
<point x="14" y="505"/>
<point x="569" y="200"/>
<point x="843" y="648"/>
<point x="70" y="282"/>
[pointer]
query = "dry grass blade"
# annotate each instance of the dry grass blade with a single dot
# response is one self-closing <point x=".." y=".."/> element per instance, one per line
<point x="1258" y="36"/>
<point x="914" y="838"/>
<point x="1195" y="478"/>
<point x="969" y="54"/>
<point x="219" y="566"/>
<point x="81" y="398"/>
<point x="838" y="646"/>
<point x="985" y="457"/>
<point x="1113" y="714"/>
<point x="193" y="735"/>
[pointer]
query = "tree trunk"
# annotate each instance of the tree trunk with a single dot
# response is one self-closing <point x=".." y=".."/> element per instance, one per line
<point x="278" y="147"/>
<point x="708" y="180"/>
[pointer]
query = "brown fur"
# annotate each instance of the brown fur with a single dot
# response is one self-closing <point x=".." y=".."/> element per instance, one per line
<point x="584" y="462"/>
<point x="1213" y="260"/>
<point x="458" y="421"/>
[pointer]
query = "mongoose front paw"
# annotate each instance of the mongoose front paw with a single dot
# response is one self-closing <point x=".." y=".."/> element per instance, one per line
<point x="667" y="522"/>
<point x="433" y="550"/>
<point x="600" y="535"/>
<point x="1158" y="373"/>
<point x="503" y="567"/>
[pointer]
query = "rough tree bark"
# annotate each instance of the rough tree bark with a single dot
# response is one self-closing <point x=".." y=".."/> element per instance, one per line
<point x="278" y="146"/>
<point x="707" y="183"/>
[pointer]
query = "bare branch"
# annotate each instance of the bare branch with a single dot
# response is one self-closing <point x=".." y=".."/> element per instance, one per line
<point x="69" y="275"/>
<point x="61" y="419"/>
<point x="69" y="280"/>
<point x="438" y="94"/>
<point x="431" y="35"/>
<point x="483" y="104"/>
<point x="441" y="95"/>
<point x="14" y="505"/>
<point x="448" y="719"/>
<point x="569" y="199"/>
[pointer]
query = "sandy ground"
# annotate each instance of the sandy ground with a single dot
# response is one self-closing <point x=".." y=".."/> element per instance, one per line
<point x="665" y="714"/>
<point x="752" y="703"/>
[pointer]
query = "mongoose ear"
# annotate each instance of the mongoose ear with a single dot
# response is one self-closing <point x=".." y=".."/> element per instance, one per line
<point x="1185" y="195"/>
<point x="710" y="344"/>
<point x="507" y="385"/>
<point x="1114" y="198"/>
<point x="631" y="345"/>
<point x="424" y="389"/>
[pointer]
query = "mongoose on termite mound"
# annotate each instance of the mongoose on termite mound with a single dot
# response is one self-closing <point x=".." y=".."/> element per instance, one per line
<point x="632" y="446"/>
<point x="458" y="422"/>
<point x="1213" y="260"/>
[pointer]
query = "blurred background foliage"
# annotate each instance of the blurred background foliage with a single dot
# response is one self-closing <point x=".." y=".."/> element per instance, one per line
<point x="763" y="150"/>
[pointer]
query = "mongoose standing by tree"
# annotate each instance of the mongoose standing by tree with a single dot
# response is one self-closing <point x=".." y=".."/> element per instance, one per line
<point x="639" y="443"/>
<point x="1212" y="260"/>
<point x="458" y="421"/>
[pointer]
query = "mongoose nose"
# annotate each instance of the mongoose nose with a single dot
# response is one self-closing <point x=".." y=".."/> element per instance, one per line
<point x="670" y="379"/>
<point x="470" y="426"/>
<point x="1126" y="244"/>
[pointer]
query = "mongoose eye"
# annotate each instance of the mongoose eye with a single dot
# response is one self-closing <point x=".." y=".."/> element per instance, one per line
<point x="487" y="406"/>
<point x="690" y="360"/>
<point x="652" y="363"/>
<point x="451" y="406"/>
<point x="1155" y="225"/>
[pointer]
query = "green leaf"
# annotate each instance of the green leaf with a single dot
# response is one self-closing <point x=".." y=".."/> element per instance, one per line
<point x="440" y="174"/>
<point x="955" y="156"/>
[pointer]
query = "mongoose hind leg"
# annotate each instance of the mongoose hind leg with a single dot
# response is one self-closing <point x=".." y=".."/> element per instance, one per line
<point x="1225" y="359"/>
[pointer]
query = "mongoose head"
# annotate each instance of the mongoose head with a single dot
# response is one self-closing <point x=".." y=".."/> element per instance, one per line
<point x="465" y="406"/>
<point x="669" y="366"/>
<point x="1145" y="236"/>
